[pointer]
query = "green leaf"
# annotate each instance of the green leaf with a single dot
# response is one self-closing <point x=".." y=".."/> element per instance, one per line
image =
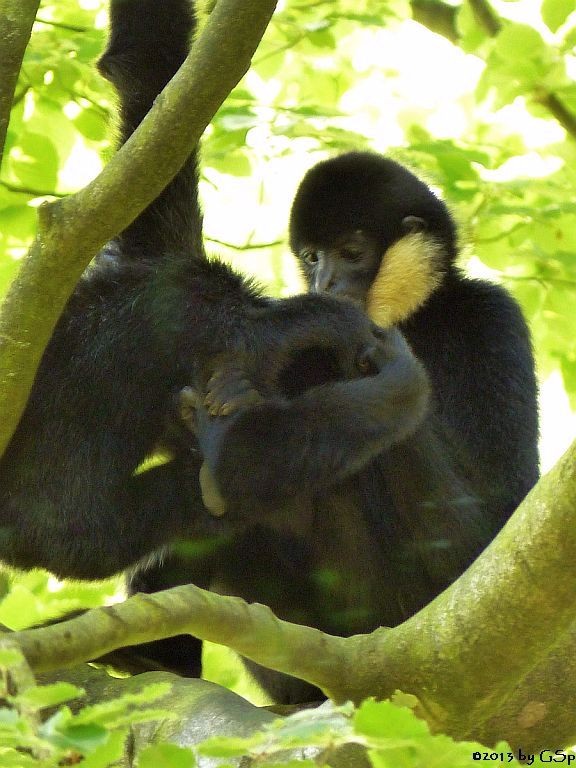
<point x="49" y="119"/>
<point x="84" y="738"/>
<point x="10" y="657"/>
<point x="8" y="717"/>
<point x="13" y="758"/>
<point x="34" y="161"/>
<point x="18" y="222"/>
<point x="366" y="19"/>
<point x="384" y="720"/>
<point x="230" y="746"/>
<point x="323" y="39"/>
<point x="472" y="34"/>
<point x="555" y="12"/>
<point x="568" y="368"/>
<point x="395" y="758"/>
<point x="112" y="713"/>
<point x="320" y="727"/>
<point x="520" y="61"/>
<point x="234" y="164"/>
<point x="108" y="754"/>
<point x="20" y="607"/>
<point x="91" y="124"/>
<point x="517" y="42"/>
<point x="49" y="695"/>
<point x="292" y="764"/>
<point x="166" y="756"/>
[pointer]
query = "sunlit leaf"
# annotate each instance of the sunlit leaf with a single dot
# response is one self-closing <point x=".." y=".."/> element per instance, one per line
<point x="166" y="756"/>
<point x="34" y="162"/>
<point x="41" y="696"/>
<point x="555" y="12"/>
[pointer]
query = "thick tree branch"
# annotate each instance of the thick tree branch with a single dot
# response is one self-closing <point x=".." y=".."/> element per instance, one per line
<point x="16" y="20"/>
<point x="480" y="641"/>
<point x="71" y="231"/>
<point x="479" y="648"/>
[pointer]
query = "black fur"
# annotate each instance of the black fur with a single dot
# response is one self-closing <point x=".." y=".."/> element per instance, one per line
<point x="349" y="505"/>
<point x="469" y="334"/>
<point x="345" y="547"/>
<point x="374" y="544"/>
<point x="151" y="316"/>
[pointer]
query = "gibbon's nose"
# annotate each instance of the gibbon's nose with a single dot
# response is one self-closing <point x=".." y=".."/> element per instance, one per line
<point x="325" y="277"/>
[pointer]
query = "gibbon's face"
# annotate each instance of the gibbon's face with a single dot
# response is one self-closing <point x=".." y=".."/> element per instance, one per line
<point x="345" y="268"/>
<point x="366" y="229"/>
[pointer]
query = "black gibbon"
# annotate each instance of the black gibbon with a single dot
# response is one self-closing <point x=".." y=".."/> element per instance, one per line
<point x="346" y="501"/>
<point x="374" y="548"/>
<point x="151" y="317"/>
<point x="364" y="227"/>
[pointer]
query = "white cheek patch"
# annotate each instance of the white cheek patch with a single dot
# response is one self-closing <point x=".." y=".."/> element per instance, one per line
<point x="410" y="271"/>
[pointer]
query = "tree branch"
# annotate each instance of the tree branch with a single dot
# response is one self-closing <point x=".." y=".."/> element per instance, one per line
<point x="252" y="630"/>
<point x="16" y="20"/>
<point x="439" y="17"/>
<point x="436" y="16"/>
<point x="71" y="231"/>
<point x="518" y="594"/>
<point x="559" y="110"/>
<point x="483" y="639"/>
<point x="485" y="16"/>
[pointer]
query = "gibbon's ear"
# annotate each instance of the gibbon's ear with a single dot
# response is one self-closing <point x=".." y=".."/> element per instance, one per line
<point x="410" y="270"/>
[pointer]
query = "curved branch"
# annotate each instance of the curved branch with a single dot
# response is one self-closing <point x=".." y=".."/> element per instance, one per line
<point x="482" y="640"/>
<point x="71" y="231"/>
<point x="252" y="630"/>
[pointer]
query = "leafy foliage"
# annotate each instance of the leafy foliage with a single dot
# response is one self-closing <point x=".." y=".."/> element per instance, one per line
<point x="38" y="728"/>
<point x="35" y="597"/>
<point x="34" y="733"/>
<point x="483" y="119"/>
<point x="389" y="731"/>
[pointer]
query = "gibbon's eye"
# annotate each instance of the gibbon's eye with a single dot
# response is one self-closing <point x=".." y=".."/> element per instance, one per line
<point x="309" y="256"/>
<point x="351" y="253"/>
<point x="411" y="224"/>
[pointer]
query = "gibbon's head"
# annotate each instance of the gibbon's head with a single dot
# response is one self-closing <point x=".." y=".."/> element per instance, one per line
<point x="364" y="227"/>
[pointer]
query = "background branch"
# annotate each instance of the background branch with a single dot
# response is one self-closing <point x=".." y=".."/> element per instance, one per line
<point x="486" y="16"/>
<point x="438" y="17"/>
<point x="16" y="20"/>
<point x="72" y="230"/>
<point x="441" y="18"/>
